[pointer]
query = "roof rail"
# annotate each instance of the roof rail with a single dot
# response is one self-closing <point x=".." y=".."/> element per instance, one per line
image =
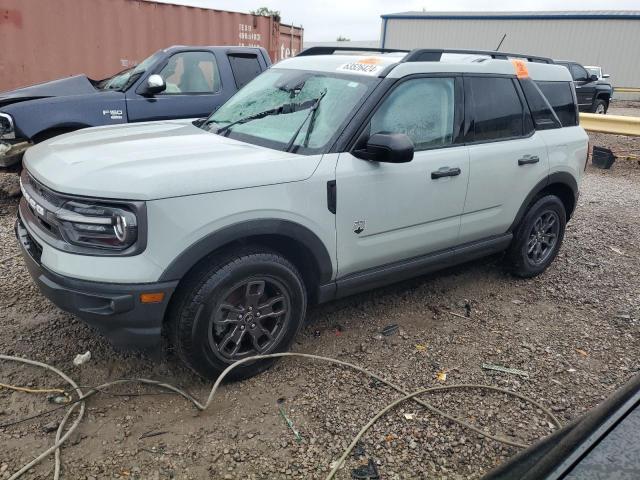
<point x="435" y="54"/>
<point x="331" y="50"/>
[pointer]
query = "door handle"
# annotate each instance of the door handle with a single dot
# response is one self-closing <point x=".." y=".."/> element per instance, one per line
<point x="445" y="172"/>
<point x="528" y="160"/>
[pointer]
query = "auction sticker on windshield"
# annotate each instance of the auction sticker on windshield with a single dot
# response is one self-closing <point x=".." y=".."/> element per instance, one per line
<point x="367" y="66"/>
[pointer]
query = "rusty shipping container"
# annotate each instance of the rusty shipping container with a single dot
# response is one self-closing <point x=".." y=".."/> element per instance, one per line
<point x="42" y="40"/>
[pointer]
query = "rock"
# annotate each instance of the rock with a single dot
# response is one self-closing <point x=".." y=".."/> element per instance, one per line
<point x="9" y="185"/>
<point x="51" y="426"/>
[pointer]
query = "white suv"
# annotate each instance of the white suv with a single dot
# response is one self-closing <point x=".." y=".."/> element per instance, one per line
<point x="327" y="175"/>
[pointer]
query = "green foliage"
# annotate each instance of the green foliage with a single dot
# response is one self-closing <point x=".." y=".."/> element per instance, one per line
<point x="267" y="12"/>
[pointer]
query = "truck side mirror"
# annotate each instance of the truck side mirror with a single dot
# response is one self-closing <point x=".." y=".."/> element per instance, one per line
<point x="593" y="78"/>
<point x="605" y="75"/>
<point x="155" y="84"/>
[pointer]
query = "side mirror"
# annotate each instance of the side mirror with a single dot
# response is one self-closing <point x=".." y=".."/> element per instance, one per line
<point x="593" y="78"/>
<point x="387" y="147"/>
<point x="155" y="84"/>
<point x="605" y="75"/>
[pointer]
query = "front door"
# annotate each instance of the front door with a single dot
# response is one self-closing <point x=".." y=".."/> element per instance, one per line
<point x="391" y="212"/>
<point x="585" y="87"/>
<point x="193" y="90"/>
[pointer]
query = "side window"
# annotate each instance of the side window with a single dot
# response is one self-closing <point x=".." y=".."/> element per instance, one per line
<point x="560" y="97"/>
<point x="245" y="67"/>
<point x="191" y="72"/>
<point x="498" y="111"/>
<point x="543" y="115"/>
<point x="578" y="73"/>
<point x="422" y="108"/>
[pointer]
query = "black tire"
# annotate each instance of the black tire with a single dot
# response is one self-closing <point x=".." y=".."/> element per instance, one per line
<point x="204" y="319"/>
<point x="525" y="262"/>
<point x="600" y="106"/>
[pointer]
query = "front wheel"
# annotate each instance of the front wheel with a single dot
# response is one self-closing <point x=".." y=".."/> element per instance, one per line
<point x="538" y="238"/>
<point x="600" y="107"/>
<point x="244" y="303"/>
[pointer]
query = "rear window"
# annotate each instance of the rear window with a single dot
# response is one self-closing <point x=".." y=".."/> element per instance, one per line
<point x="499" y="113"/>
<point x="245" y="67"/>
<point x="560" y="97"/>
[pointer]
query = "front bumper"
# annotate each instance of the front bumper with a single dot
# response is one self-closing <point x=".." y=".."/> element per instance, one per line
<point x="115" y="310"/>
<point x="11" y="151"/>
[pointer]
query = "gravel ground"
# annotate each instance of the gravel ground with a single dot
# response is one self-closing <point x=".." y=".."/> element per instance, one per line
<point x="575" y="330"/>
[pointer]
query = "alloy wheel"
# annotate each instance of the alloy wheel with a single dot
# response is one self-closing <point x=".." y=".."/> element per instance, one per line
<point x="251" y="319"/>
<point x="543" y="237"/>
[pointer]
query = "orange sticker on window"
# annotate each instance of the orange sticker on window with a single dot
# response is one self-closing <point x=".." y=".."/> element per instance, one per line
<point x="370" y="61"/>
<point x="521" y="68"/>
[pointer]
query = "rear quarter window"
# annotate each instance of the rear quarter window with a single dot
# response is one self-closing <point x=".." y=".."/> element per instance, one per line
<point x="542" y="112"/>
<point x="560" y="97"/>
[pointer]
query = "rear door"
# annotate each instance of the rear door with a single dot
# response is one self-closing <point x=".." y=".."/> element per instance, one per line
<point x="585" y="87"/>
<point x="391" y="212"/>
<point x="194" y="89"/>
<point x="507" y="156"/>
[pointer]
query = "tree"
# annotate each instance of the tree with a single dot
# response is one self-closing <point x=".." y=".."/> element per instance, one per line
<point x="342" y="39"/>
<point x="267" y="12"/>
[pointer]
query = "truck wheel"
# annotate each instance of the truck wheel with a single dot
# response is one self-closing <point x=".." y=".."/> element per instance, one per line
<point x="600" y="106"/>
<point x="246" y="302"/>
<point x="538" y="237"/>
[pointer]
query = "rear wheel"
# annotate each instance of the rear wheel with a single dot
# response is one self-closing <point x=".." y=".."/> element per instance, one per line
<point x="244" y="303"/>
<point x="538" y="238"/>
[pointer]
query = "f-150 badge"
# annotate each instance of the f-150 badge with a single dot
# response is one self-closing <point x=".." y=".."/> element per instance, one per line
<point x="358" y="226"/>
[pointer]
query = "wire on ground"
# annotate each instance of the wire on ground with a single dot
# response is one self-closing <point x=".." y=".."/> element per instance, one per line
<point x="61" y="438"/>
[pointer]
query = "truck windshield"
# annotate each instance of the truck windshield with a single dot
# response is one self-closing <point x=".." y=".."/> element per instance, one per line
<point x="123" y="80"/>
<point x="298" y="111"/>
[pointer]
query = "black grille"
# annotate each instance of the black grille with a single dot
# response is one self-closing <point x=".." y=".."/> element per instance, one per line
<point x="39" y="191"/>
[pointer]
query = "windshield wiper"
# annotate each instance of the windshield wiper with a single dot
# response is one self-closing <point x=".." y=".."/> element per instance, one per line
<point x="285" y="108"/>
<point x="311" y="116"/>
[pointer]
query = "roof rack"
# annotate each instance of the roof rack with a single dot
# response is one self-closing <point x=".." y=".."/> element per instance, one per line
<point x="435" y="54"/>
<point x="424" y="54"/>
<point x="331" y="50"/>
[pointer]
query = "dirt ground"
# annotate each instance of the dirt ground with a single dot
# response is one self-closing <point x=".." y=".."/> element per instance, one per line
<point x="574" y="329"/>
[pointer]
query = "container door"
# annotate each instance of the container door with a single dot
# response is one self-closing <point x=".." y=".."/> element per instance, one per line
<point x="194" y="89"/>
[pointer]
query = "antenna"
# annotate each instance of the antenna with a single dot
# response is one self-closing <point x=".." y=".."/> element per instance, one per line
<point x="500" y="44"/>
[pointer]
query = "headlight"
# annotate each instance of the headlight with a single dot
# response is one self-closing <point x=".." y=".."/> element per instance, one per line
<point x="7" y="130"/>
<point x="99" y="226"/>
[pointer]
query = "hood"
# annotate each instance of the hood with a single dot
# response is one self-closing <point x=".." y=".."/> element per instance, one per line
<point x="155" y="160"/>
<point x="77" y="85"/>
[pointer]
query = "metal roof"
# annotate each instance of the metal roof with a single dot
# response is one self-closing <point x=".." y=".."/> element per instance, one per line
<point x="524" y="15"/>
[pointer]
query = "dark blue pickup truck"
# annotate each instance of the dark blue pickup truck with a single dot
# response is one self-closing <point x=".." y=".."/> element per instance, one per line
<point x="177" y="82"/>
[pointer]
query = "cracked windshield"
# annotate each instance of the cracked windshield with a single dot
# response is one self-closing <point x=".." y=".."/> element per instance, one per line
<point x="289" y="110"/>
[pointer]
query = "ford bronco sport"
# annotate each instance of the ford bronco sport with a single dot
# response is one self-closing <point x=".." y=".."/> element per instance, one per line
<point x="327" y="175"/>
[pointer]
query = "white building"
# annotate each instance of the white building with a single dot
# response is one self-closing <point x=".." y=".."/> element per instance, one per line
<point x="610" y="39"/>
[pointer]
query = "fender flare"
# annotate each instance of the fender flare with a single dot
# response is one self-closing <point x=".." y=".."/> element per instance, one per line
<point x="186" y="260"/>
<point x="563" y="178"/>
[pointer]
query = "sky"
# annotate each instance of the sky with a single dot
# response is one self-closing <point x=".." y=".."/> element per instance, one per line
<point x="360" y="19"/>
